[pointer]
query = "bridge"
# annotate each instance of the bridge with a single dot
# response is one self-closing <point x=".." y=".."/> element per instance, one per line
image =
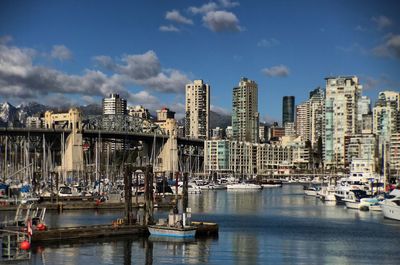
<point x="103" y="134"/>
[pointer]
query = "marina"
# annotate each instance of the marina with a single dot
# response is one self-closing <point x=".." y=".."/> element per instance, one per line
<point x="281" y="225"/>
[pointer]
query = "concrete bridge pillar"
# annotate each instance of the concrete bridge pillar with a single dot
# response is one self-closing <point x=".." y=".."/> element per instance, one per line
<point x="168" y="158"/>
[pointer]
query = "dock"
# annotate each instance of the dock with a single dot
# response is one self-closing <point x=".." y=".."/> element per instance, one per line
<point x="92" y="231"/>
<point x="204" y="229"/>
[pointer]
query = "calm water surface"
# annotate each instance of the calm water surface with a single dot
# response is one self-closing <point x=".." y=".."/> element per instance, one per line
<point x="272" y="226"/>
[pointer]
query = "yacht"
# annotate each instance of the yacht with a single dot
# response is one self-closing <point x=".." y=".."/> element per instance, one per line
<point x="311" y="190"/>
<point x="271" y="183"/>
<point x="354" y="197"/>
<point x="391" y="206"/>
<point x="192" y="188"/>
<point x="244" y="186"/>
<point x="327" y="193"/>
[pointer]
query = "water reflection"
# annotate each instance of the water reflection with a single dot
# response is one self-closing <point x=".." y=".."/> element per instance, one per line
<point x="272" y="226"/>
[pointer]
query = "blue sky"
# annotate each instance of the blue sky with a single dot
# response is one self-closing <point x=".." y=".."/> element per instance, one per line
<point x="75" y="52"/>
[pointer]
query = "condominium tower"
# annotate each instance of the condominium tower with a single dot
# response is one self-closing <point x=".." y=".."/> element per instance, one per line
<point x="114" y="105"/>
<point x="288" y="108"/>
<point x="341" y="112"/>
<point x="197" y="110"/>
<point x="245" y="116"/>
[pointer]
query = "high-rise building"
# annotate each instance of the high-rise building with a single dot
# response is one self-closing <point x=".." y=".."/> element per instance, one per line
<point x="386" y="114"/>
<point x="245" y="116"/>
<point x="317" y="112"/>
<point x="288" y="108"/>
<point x="114" y="105"/>
<point x="310" y="117"/>
<point x="303" y="120"/>
<point x="363" y="108"/>
<point x="341" y="112"/>
<point x="197" y="110"/>
<point x="290" y="129"/>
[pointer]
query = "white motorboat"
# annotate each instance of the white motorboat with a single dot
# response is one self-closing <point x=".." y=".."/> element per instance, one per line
<point x="327" y="193"/>
<point x="311" y="190"/>
<point x="164" y="230"/>
<point x="391" y="206"/>
<point x="243" y="186"/>
<point x="192" y="188"/>
<point x="271" y="184"/>
<point x="354" y="198"/>
<point x="213" y="186"/>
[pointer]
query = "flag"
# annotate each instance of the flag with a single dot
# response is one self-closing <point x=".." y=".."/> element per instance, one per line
<point x="29" y="230"/>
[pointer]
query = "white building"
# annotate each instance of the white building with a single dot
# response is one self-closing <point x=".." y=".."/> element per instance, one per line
<point x="139" y="112"/>
<point x="341" y="112"/>
<point x="114" y="105"/>
<point x="197" y="110"/>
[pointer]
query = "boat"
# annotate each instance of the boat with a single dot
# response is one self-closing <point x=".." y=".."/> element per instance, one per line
<point x="164" y="230"/>
<point x="327" y="193"/>
<point x="213" y="186"/>
<point x="353" y="199"/>
<point x="175" y="226"/>
<point x="192" y="188"/>
<point x="271" y="183"/>
<point x="311" y="190"/>
<point x="391" y="206"/>
<point x="243" y="186"/>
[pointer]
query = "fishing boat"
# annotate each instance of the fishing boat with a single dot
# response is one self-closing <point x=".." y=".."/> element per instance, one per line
<point x="175" y="226"/>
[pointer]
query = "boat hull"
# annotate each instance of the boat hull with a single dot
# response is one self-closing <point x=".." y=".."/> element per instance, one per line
<point x="352" y="205"/>
<point x="391" y="212"/>
<point x="310" y="192"/>
<point x="244" y="187"/>
<point x="186" y="232"/>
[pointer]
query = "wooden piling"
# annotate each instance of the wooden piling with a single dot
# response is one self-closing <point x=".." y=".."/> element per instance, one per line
<point x="128" y="194"/>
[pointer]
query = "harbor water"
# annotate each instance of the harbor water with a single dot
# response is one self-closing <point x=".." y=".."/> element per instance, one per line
<point x="270" y="226"/>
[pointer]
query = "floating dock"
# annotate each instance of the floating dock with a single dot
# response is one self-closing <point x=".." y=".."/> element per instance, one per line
<point x="204" y="229"/>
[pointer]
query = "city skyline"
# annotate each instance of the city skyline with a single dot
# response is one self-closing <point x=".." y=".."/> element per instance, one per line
<point x="148" y="59"/>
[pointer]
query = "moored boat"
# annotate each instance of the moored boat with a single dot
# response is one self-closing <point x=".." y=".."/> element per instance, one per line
<point x="244" y="186"/>
<point x="172" y="231"/>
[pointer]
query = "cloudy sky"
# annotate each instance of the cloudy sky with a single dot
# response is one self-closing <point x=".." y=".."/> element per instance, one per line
<point x="76" y="52"/>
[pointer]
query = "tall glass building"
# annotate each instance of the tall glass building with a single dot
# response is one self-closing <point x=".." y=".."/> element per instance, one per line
<point x="288" y="108"/>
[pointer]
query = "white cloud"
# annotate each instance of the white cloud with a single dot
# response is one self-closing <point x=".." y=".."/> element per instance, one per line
<point x="268" y="43"/>
<point x="220" y="110"/>
<point x="175" y="16"/>
<point x="228" y="3"/>
<point x="204" y="8"/>
<point x="169" y="28"/>
<point x="219" y="21"/>
<point x="60" y="52"/>
<point x="390" y="47"/>
<point x="276" y="71"/>
<point x="382" y="21"/>
<point x="5" y="39"/>
<point x="360" y="28"/>
<point x="21" y="78"/>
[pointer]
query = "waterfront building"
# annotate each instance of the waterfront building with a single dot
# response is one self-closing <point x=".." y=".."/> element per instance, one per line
<point x="245" y="116"/>
<point x="270" y="157"/>
<point x="362" y="146"/>
<point x="139" y="112"/>
<point x="303" y="120"/>
<point x="386" y="114"/>
<point x="288" y="108"/>
<point x="277" y="132"/>
<point x="229" y="132"/>
<point x="217" y="133"/>
<point x="367" y="123"/>
<point x="310" y="117"/>
<point x="290" y="129"/>
<point x="394" y="154"/>
<point x="34" y="122"/>
<point x="341" y="103"/>
<point x="300" y="151"/>
<point x="366" y="167"/>
<point x="197" y="110"/>
<point x="216" y="156"/>
<point x="363" y="108"/>
<point x="263" y="132"/>
<point x="114" y="105"/>
<point x="317" y="115"/>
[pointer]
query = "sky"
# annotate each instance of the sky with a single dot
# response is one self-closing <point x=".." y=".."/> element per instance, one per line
<point x="77" y="52"/>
